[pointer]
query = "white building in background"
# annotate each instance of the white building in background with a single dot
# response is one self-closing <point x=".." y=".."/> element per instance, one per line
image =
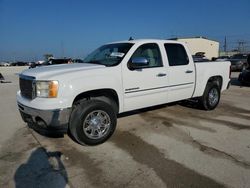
<point x="201" y="44"/>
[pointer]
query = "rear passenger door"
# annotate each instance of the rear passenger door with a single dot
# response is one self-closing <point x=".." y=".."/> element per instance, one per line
<point x="181" y="72"/>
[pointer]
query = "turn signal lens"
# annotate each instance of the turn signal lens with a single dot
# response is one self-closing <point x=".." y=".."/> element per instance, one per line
<point x="53" y="89"/>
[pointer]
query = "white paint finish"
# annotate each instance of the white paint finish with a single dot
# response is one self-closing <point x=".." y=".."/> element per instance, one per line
<point x="204" y="71"/>
<point x="182" y="80"/>
<point x="152" y="90"/>
<point x="78" y="78"/>
<point x="74" y="80"/>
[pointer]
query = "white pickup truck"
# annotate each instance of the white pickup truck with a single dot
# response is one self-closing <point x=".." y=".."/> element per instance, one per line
<point x="85" y="98"/>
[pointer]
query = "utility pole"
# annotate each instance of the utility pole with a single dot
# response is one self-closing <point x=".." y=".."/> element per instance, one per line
<point x="241" y="45"/>
<point x="62" y="49"/>
<point x="14" y="56"/>
<point x="225" y="45"/>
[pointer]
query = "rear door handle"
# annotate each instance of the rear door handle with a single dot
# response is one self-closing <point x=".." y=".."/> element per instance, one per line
<point x="161" y="74"/>
<point x="189" y="71"/>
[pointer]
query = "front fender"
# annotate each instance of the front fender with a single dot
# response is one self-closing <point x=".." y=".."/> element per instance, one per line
<point x="75" y="86"/>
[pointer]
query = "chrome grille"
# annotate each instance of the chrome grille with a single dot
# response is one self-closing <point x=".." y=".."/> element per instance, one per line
<point x="27" y="87"/>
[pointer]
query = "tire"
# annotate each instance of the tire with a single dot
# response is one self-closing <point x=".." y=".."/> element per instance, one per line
<point x="244" y="67"/>
<point x="240" y="78"/>
<point x="92" y="122"/>
<point x="211" y="97"/>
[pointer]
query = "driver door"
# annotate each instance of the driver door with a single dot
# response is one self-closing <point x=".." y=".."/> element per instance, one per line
<point x="147" y="86"/>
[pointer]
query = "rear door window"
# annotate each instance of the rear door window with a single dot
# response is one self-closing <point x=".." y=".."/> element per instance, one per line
<point x="177" y="54"/>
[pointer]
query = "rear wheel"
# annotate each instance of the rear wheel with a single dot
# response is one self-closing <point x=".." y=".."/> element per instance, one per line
<point x="211" y="97"/>
<point x="92" y="122"/>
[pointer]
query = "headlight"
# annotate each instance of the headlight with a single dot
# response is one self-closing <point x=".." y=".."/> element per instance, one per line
<point x="47" y="89"/>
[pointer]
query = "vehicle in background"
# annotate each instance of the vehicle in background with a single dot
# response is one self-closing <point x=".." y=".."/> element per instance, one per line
<point x="52" y="62"/>
<point x="60" y="61"/>
<point x="4" y="64"/>
<point x="244" y="76"/>
<point x="35" y="64"/>
<point x="238" y="62"/>
<point x="19" y="63"/>
<point x="77" y="61"/>
<point x="39" y="62"/>
<point x="222" y="58"/>
<point x="31" y="63"/>
<point x="199" y="59"/>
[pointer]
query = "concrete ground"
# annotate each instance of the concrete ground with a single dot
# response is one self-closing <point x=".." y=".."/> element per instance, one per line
<point x="168" y="146"/>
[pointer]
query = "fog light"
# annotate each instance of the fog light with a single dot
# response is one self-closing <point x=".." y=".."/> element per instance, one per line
<point x="40" y="122"/>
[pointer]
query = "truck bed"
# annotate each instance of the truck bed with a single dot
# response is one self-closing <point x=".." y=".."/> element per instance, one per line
<point x="205" y="70"/>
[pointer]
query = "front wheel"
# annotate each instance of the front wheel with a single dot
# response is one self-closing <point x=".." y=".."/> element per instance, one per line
<point x="92" y="122"/>
<point x="211" y="97"/>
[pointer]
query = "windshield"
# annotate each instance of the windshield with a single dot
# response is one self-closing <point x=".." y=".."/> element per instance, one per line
<point x="109" y="55"/>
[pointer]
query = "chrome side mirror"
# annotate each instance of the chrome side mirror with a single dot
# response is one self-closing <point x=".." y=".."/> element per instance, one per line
<point x="138" y="63"/>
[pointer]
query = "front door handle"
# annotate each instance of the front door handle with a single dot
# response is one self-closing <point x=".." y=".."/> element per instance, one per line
<point x="161" y="74"/>
<point x="189" y="71"/>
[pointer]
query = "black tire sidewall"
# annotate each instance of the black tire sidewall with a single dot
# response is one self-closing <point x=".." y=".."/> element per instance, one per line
<point x="244" y="67"/>
<point x="80" y="113"/>
<point x="205" y="98"/>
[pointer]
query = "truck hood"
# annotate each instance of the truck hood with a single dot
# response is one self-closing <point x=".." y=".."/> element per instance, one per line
<point x="54" y="70"/>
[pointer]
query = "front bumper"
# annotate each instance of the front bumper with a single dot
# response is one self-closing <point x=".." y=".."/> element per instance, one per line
<point x="46" y="121"/>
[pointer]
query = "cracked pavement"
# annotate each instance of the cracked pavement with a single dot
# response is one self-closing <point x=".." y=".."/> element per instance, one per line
<point x="175" y="145"/>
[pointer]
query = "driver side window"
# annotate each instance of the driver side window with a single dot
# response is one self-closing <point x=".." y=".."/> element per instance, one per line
<point x="151" y="52"/>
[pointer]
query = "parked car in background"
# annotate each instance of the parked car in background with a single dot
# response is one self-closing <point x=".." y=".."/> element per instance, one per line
<point x="77" y="61"/>
<point x="4" y="64"/>
<point x="19" y="63"/>
<point x="60" y="61"/>
<point x="244" y="76"/>
<point x="238" y="62"/>
<point x="31" y="63"/>
<point x="223" y="58"/>
<point x="199" y="59"/>
<point x="53" y="62"/>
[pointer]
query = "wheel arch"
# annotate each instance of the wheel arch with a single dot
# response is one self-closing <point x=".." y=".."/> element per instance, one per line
<point x="204" y="100"/>
<point x="217" y="80"/>
<point x="109" y="96"/>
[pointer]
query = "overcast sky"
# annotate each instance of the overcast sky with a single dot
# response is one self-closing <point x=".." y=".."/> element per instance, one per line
<point x="73" y="28"/>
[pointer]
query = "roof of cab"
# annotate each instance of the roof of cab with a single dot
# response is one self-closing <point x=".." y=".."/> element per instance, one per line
<point x="142" y="41"/>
